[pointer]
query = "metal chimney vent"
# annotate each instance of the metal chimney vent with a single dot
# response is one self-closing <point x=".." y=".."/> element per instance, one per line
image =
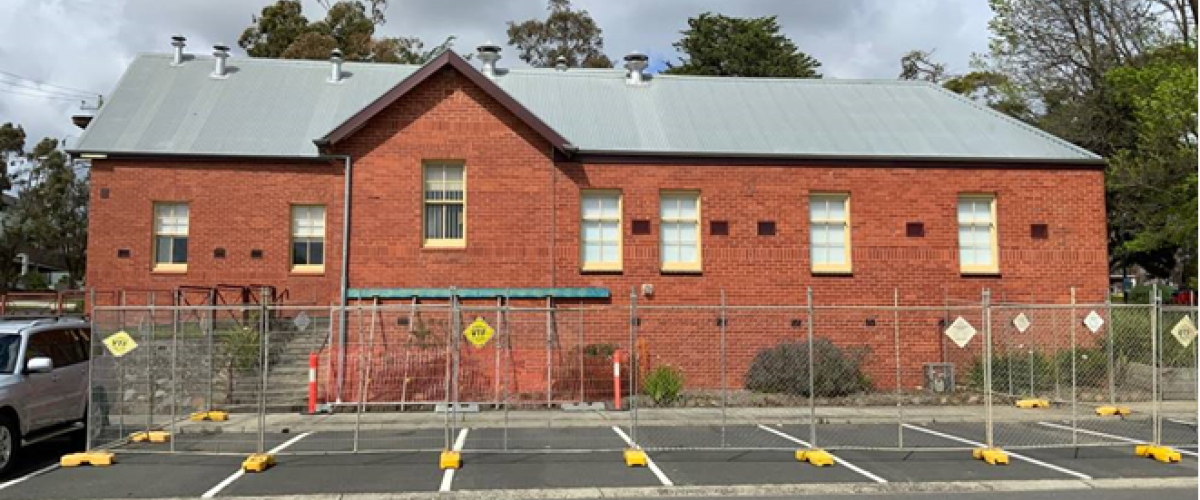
<point x="179" y="42"/>
<point x="335" y="60"/>
<point x="560" y="64"/>
<point x="220" y="54"/>
<point x="488" y="54"/>
<point x="636" y="62"/>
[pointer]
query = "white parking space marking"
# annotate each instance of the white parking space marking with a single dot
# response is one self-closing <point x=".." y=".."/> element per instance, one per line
<point x="839" y="460"/>
<point x="448" y="476"/>
<point x="666" y="481"/>
<point x="1107" y="436"/>
<point x="1182" y="422"/>
<point x="1017" y="456"/>
<point x="31" y="475"/>
<point x="236" y="475"/>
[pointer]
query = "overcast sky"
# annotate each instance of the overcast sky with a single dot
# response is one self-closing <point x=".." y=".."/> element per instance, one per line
<point x="86" y="44"/>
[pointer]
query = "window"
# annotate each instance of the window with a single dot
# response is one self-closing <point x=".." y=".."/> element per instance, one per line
<point x="680" y="231"/>
<point x="170" y="236"/>
<point x="308" y="238"/>
<point x="445" y="204"/>
<point x="977" y="234"/>
<point x="63" y="347"/>
<point x="830" y="220"/>
<point x="601" y="231"/>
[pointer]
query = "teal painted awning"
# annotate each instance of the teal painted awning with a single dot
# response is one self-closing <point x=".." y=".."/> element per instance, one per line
<point x="479" y="293"/>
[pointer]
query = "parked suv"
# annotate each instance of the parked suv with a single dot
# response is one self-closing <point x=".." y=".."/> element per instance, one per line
<point x="43" y="382"/>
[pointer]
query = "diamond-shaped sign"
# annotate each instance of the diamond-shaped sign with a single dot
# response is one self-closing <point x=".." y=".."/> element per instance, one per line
<point x="1022" y="322"/>
<point x="478" y="333"/>
<point x="1093" y="321"/>
<point x="960" y="332"/>
<point x="120" y="343"/>
<point x="1184" y="331"/>
<point x="302" y="321"/>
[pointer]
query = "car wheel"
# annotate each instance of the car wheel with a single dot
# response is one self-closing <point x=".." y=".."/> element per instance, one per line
<point x="10" y="444"/>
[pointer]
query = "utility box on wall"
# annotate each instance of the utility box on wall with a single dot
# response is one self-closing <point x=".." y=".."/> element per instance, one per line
<point x="939" y="377"/>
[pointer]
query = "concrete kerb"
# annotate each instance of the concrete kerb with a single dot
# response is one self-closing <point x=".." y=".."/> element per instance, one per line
<point x="835" y="489"/>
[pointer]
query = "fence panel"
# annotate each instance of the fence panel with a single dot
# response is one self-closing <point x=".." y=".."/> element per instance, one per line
<point x="1177" y="376"/>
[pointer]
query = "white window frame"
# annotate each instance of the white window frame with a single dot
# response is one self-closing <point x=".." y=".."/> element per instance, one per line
<point x="847" y="266"/>
<point x="993" y="230"/>
<point x="156" y="230"/>
<point x="307" y="268"/>
<point x="425" y="202"/>
<point x="680" y="266"/>
<point x="609" y="266"/>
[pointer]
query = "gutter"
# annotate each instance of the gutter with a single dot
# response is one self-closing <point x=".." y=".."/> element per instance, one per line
<point x="591" y="154"/>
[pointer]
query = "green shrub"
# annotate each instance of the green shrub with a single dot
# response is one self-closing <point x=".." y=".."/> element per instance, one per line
<point x="601" y="350"/>
<point x="663" y="384"/>
<point x="783" y="369"/>
<point x="1091" y="370"/>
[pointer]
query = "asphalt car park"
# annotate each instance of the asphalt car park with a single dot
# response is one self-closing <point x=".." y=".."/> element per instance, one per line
<point x="540" y="457"/>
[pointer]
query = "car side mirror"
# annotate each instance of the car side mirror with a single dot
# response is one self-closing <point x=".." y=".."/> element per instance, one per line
<point x="39" y="364"/>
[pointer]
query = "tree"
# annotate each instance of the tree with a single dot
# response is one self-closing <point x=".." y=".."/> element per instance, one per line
<point x="1152" y="184"/>
<point x="54" y="201"/>
<point x="919" y="65"/>
<point x="719" y="45"/>
<point x="282" y="31"/>
<point x="571" y="34"/>
<point x="12" y="145"/>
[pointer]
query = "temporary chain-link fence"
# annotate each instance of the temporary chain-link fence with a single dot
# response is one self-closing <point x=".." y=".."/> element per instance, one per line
<point x="494" y="376"/>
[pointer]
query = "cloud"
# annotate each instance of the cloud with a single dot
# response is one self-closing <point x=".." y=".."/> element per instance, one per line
<point x="86" y="44"/>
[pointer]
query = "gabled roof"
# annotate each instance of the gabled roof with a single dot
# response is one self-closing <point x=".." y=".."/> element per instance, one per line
<point x="278" y="108"/>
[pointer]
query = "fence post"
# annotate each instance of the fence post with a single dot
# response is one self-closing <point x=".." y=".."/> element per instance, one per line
<point x="1112" y="366"/>
<point x="364" y="370"/>
<point x="150" y="368"/>
<point x="506" y="339"/>
<point x="899" y="378"/>
<point x="549" y="355"/>
<point x="812" y="395"/>
<point x="265" y="346"/>
<point x="633" y="366"/>
<point x="987" y="368"/>
<point x="724" y="370"/>
<point x="1155" y="371"/>
<point x="174" y="398"/>
<point x="455" y="335"/>
<point x="91" y="407"/>
<point x="1074" y="377"/>
<point x="212" y="356"/>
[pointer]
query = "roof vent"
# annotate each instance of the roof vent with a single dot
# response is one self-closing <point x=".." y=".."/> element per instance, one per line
<point x="488" y="53"/>
<point x="220" y="54"/>
<point x="335" y="63"/>
<point x="560" y="63"/>
<point x="179" y="42"/>
<point x="636" y="62"/>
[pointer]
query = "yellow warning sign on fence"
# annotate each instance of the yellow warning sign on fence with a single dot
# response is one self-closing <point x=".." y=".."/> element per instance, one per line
<point x="478" y="333"/>
<point x="120" y="343"/>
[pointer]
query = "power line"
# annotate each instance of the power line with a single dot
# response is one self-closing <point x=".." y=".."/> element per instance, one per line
<point x="30" y="87"/>
<point x="63" y="87"/>
<point x="43" y="96"/>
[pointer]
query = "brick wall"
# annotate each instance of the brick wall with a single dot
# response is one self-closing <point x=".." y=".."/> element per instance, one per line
<point x="523" y="228"/>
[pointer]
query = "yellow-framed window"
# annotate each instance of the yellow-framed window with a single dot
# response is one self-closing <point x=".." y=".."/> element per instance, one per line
<point x="308" y="238"/>
<point x="170" y="236"/>
<point x="977" y="240"/>
<point x="829" y="222"/>
<point x="445" y="205"/>
<point x="600" y="230"/>
<point x="679" y="231"/>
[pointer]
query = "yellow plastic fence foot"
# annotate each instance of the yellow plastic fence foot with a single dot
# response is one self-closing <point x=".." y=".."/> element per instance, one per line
<point x="258" y="462"/>
<point x="1110" y="411"/>
<point x="152" y="436"/>
<point x="211" y="416"/>
<point x="992" y="456"/>
<point x="1164" y="454"/>
<point x="450" y="460"/>
<point x="1029" y="404"/>
<point x="819" y="458"/>
<point x="93" y="458"/>
<point x="635" y="458"/>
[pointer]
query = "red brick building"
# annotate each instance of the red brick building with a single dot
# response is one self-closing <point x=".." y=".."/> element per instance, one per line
<point x="579" y="183"/>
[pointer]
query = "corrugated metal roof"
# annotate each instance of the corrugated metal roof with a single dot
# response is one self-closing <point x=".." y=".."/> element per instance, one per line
<point x="278" y="107"/>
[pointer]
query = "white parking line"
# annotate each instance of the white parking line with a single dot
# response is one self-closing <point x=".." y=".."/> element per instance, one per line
<point x="448" y="476"/>
<point x="840" y="460"/>
<point x="31" y="475"/>
<point x="1108" y="436"/>
<point x="1018" y="456"/>
<point x="234" y="477"/>
<point x="1182" y="422"/>
<point x="666" y="481"/>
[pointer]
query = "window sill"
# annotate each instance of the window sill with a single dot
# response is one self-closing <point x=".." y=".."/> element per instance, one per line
<point x="169" y="270"/>
<point x="681" y="270"/>
<point x="601" y="270"/>
<point x="306" y="272"/>
<point x="833" y="272"/>
<point x="995" y="273"/>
